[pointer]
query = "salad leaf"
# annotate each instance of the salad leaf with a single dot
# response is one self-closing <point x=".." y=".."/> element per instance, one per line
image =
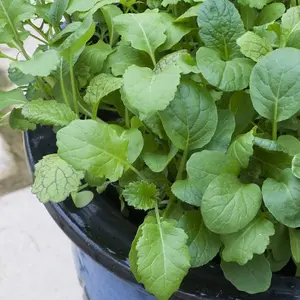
<point x="290" y="25"/>
<point x="295" y="244"/>
<point x="56" y="11"/>
<point x="13" y="97"/>
<point x="18" y="121"/>
<point x="254" y="3"/>
<point x="82" y="199"/>
<point x="270" y="13"/>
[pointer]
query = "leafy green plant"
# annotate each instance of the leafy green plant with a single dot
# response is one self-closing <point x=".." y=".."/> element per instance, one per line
<point x="189" y="108"/>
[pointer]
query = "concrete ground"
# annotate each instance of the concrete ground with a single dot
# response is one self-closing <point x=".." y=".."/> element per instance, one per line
<point x="35" y="255"/>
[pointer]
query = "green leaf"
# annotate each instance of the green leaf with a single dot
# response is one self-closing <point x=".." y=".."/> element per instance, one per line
<point x="83" y="198"/>
<point x="288" y="144"/>
<point x="228" y="76"/>
<point x="295" y="243"/>
<point x="204" y="245"/>
<point x="296" y="165"/>
<point x="190" y="120"/>
<point x="94" y="147"/>
<point x="12" y="14"/>
<point x="100" y="86"/>
<point x="248" y="15"/>
<point x="56" y="11"/>
<point x="191" y="12"/>
<point x="109" y="12"/>
<point x="270" y="13"/>
<point x="70" y="28"/>
<point x="18" y="77"/>
<point x="254" y="277"/>
<point x="240" y="246"/>
<point x="241" y="106"/>
<point x="141" y="195"/>
<point x="225" y="128"/>
<point x="290" y="25"/>
<point x="79" y="5"/>
<point x="41" y="64"/>
<point x="254" y="3"/>
<point x="163" y="258"/>
<point x="94" y="56"/>
<point x="136" y="143"/>
<point x="154" y="91"/>
<point x="157" y="159"/>
<point x="55" y="179"/>
<point x="282" y="198"/>
<point x="242" y="148"/>
<point x="124" y="57"/>
<point x="274" y="87"/>
<point x="18" y="121"/>
<point x="220" y="26"/>
<point x="253" y="46"/>
<point x="74" y="42"/>
<point x="96" y="7"/>
<point x="174" y="32"/>
<point x="13" y="97"/>
<point x="229" y="205"/>
<point x="48" y="112"/>
<point x="145" y="31"/>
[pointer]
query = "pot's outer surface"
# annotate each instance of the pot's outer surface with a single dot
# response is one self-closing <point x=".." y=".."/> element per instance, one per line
<point x="105" y="235"/>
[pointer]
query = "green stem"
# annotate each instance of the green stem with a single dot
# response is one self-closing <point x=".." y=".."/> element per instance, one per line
<point x="127" y="121"/>
<point x="2" y="55"/>
<point x="37" y="38"/>
<point x="106" y="107"/>
<point x="82" y="187"/>
<point x="62" y="85"/>
<point x="38" y="30"/>
<point x="95" y="110"/>
<point x="157" y="214"/>
<point x="153" y="59"/>
<point x="136" y="171"/>
<point x="73" y="84"/>
<point x="274" y="131"/>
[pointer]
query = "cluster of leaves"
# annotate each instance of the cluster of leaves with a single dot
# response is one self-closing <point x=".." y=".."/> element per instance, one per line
<point x="190" y="108"/>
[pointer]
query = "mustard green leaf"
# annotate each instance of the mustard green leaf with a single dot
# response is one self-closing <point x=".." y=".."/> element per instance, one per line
<point x="295" y="243"/>
<point x="13" y="97"/>
<point x="270" y="13"/>
<point x="82" y="199"/>
<point x="290" y="25"/>
<point x="254" y="3"/>
<point x="19" y="122"/>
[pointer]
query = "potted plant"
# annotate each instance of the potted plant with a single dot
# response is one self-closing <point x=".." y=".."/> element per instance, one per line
<point x="181" y="119"/>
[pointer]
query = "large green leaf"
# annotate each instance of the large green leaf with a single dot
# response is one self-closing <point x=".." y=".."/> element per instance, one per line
<point x="204" y="245"/>
<point x="295" y="243"/>
<point x="228" y="76"/>
<point x="13" y="97"/>
<point x="141" y="195"/>
<point x="240" y="246"/>
<point x="248" y="15"/>
<point x="290" y="25"/>
<point x="19" y="122"/>
<point x="229" y="205"/>
<point x="282" y="198"/>
<point x="55" y="179"/>
<point x="274" y="87"/>
<point x="100" y="86"/>
<point x="163" y="258"/>
<point x="190" y="120"/>
<point x="48" y="112"/>
<point x="56" y="11"/>
<point x="253" y="46"/>
<point x="254" y="3"/>
<point x="254" y="277"/>
<point x="220" y="25"/>
<point x="270" y="13"/>
<point x="154" y="91"/>
<point x="225" y="128"/>
<point x="41" y="63"/>
<point x="94" y="147"/>
<point x="145" y="31"/>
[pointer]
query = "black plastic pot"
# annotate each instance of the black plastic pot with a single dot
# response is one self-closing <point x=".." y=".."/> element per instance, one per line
<point x="103" y="236"/>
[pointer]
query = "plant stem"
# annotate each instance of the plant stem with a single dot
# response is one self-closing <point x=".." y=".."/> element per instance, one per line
<point x="274" y="131"/>
<point x="38" y="30"/>
<point x="82" y="187"/>
<point x="136" y="171"/>
<point x="2" y="55"/>
<point x="73" y="84"/>
<point x="153" y="59"/>
<point x="95" y="110"/>
<point x="62" y="86"/>
<point x="127" y="121"/>
<point x="157" y="214"/>
<point x="37" y="38"/>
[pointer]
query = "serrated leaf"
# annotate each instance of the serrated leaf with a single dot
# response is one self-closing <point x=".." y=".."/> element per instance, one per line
<point x="124" y="56"/>
<point x="41" y="63"/>
<point x="290" y="25"/>
<point x="56" y="11"/>
<point x="295" y="244"/>
<point x="154" y="91"/>
<point x="55" y="179"/>
<point x="220" y="25"/>
<point x="190" y="120"/>
<point x="163" y="258"/>
<point x="242" y="148"/>
<point x="82" y="199"/>
<point x="253" y="46"/>
<point x="94" y="147"/>
<point x="225" y="128"/>
<point x="270" y="13"/>
<point x="174" y="32"/>
<point x="254" y="3"/>
<point x="100" y="86"/>
<point x="94" y="56"/>
<point x="254" y="277"/>
<point x="18" y="121"/>
<point x="109" y="12"/>
<point x="204" y="245"/>
<point x="229" y="205"/>
<point x="274" y="87"/>
<point x="145" y="31"/>
<point x="282" y="198"/>
<point x="228" y="76"/>
<point x="13" y="97"/>
<point x="141" y="195"/>
<point x="240" y="246"/>
<point x="48" y="112"/>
